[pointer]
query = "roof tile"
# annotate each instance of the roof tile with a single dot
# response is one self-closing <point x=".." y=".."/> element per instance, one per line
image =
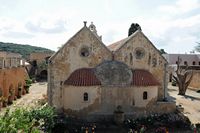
<point x="143" y="78"/>
<point x="86" y="77"/>
<point x="82" y="77"/>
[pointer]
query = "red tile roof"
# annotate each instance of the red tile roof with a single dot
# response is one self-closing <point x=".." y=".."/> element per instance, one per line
<point x="143" y="78"/>
<point x="115" y="46"/>
<point x="86" y="77"/>
<point x="83" y="77"/>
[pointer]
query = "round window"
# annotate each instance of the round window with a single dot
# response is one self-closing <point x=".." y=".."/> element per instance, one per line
<point x="139" y="53"/>
<point x="84" y="52"/>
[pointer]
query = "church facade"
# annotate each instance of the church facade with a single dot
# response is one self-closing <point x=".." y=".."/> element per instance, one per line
<point x="88" y="79"/>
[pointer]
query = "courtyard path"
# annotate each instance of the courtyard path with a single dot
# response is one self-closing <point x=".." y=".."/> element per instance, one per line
<point x="190" y="102"/>
<point x="37" y="92"/>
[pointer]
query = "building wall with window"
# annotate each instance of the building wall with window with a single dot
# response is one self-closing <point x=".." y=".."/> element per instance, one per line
<point x="105" y="99"/>
<point x="138" y="52"/>
<point x="8" y="60"/>
<point x="192" y="60"/>
<point x="189" y="59"/>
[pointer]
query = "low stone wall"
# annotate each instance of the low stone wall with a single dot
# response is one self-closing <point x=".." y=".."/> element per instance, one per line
<point x="157" y="108"/>
<point x="11" y="78"/>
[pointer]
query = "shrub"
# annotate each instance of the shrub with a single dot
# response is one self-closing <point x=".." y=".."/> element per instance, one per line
<point x="28" y="121"/>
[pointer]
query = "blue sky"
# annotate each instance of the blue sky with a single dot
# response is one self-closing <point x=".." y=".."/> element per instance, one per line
<point x="173" y="25"/>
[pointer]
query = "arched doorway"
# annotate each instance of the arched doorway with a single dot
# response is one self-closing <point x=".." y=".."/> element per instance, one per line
<point x="11" y="94"/>
<point x="43" y="74"/>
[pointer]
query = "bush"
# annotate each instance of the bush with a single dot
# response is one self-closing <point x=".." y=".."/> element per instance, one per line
<point x="28" y="121"/>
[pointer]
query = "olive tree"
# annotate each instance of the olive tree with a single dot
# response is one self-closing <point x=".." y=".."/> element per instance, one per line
<point x="182" y="77"/>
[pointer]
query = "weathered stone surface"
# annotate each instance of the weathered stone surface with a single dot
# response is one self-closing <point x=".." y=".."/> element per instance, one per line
<point x="12" y="78"/>
<point x="68" y="59"/>
<point x="114" y="73"/>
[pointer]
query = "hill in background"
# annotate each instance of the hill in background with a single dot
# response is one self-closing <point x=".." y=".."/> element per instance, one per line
<point x="24" y="50"/>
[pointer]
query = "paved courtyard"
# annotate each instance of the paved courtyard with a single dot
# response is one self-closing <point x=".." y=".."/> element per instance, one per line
<point x="37" y="92"/>
<point x="190" y="102"/>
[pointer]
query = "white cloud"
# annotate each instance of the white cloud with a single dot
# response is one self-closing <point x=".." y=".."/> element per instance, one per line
<point x="180" y="6"/>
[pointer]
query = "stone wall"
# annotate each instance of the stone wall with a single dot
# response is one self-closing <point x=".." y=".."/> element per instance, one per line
<point x="70" y="58"/>
<point x="39" y="57"/>
<point x="151" y="59"/>
<point x="104" y="100"/>
<point x="12" y="78"/>
<point x="195" y="83"/>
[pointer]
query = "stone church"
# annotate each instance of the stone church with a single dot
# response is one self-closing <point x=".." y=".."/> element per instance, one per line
<point x="88" y="79"/>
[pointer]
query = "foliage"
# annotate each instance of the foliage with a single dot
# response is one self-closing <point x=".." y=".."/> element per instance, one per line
<point x="24" y="50"/>
<point x="161" y="130"/>
<point x="28" y="121"/>
<point x="134" y="27"/>
<point x="4" y="99"/>
<point x="42" y="65"/>
<point x="1" y="92"/>
<point x="197" y="48"/>
<point x="28" y="82"/>
<point x="45" y="116"/>
<point x="158" y="122"/>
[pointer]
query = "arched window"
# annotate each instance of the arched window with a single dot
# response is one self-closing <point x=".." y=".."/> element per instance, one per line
<point x="131" y="58"/>
<point x="85" y="96"/>
<point x="193" y="63"/>
<point x="144" y="95"/>
<point x="185" y="62"/>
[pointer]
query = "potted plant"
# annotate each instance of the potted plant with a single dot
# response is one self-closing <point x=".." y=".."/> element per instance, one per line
<point x="1" y="102"/>
<point x="26" y="87"/>
<point x="5" y="101"/>
<point x="23" y="92"/>
<point x="28" y="84"/>
<point x="19" y="92"/>
<point x="11" y="96"/>
<point x="15" y="97"/>
<point x="1" y="96"/>
<point x="118" y="115"/>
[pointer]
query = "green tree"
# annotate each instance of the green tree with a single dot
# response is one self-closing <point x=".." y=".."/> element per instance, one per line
<point x="197" y="48"/>
<point x="162" y="51"/>
<point x="134" y="27"/>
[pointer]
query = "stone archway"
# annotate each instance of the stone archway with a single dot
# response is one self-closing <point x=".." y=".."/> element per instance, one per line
<point x="11" y="94"/>
<point x="43" y="74"/>
<point x="1" y="92"/>
<point x="19" y="90"/>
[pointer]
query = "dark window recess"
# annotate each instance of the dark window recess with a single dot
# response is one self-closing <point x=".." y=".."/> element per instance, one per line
<point x="149" y="60"/>
<point x="176" y="62"/>
<point x="145" y="95"/>
<point x="154" y="62"/>
<point x="139" y="53"/>
<point x="199" y="63"/>
<point x="131" y="59"/>
<point x="193" y="63"/>
<point x="85" y="96"/>
<point x="84" y="52"/>
<point x="185" y="62"/>
<point x="47" y="59"/>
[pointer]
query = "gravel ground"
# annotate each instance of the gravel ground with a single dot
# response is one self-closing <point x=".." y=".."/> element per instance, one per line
<point x="190" y="102"/>
<point x="30" y="100"/>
